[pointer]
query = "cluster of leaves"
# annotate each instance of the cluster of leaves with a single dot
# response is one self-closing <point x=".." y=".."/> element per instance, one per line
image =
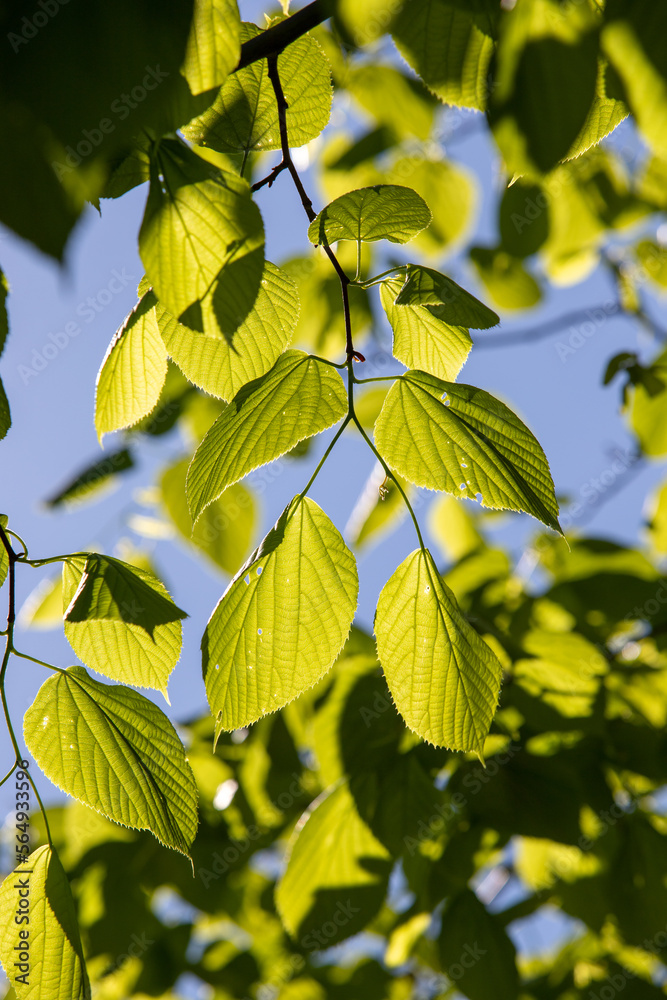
<point x="361" y="770"/>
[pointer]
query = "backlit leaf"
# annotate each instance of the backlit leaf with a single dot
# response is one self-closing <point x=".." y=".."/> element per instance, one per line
<point x="299" y="397"/>
<point x="336" y="872"/>
<point x="450" y="192"/>
<point x="93" y="481"/>
<point x="426" y="287"/>
<point x="108" y="746"/>
<point x="130" y="380"/>
<point x="244" y="115"/>
<point x="214" y="44"/>
<point x="120" y="620"/>
<point x="383" y="212"/>
<point x="200" y="228"/>
<point x="5" y="415"/>
<point x="443" y="677"/>
<point x="423" y="339"/>
<point x="225" y="529"/>
<point x="283" y="619"/>
<point x="220" y="367"/>
<point x="505" y="278"/>
<point x="54" y="968"/>
<point x="466" y="443"/>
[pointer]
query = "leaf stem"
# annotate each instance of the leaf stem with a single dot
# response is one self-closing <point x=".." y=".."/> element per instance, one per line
<point x="325" y="455"/>
<point x="42" y="663"/>
<point x="399" y="269"/>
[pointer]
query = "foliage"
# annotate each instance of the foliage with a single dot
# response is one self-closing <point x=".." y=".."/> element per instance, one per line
<point x="495" y="732"/>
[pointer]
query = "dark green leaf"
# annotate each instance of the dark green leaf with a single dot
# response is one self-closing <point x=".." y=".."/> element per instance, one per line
<point x="425" y="287"/>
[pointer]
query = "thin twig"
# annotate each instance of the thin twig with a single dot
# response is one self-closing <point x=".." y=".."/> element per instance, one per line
<point x="275" y="39"/>
<point x="535" y="333"/>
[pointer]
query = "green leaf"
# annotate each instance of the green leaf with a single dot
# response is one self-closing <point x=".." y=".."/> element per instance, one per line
<point x="647" y="408"/>
<point x="214" y="44"/>
<point x="546" y="81"/>
<point x="379" y="509"/>
<point x="453" y="528"/>
<point x="55" y="968"/>
<point x="283" y="619"/>
<point x="425" y="287"/>
<point x="336" y="873"/>
<point x="657" y="521"/>
<point x="4" y="558"/>
<point x="450" y="46"/>
<point x="224" y="531"/>
<point x="5" y="415"/>
<point x="450" y="192"/>
<point x="299" y="397"/>
<point x="111" y="748"/>
<point x="633" y="38"/>
<point x="565" y="671"/>
<point x="475" y="950"/>
<point x="605" y="113"/>
<point x="244" y="116"/>
<point x="653" y="259"/>
<point x="43" y="607"/>
<point x="367" y="20"/>
<point x="97" y="479"/>
<point x="524" y="219"/>
<point x="443" y="677"/>
<point x="221" y="368"/>
<point x="201" y="229"/>
<point x="120" y="620"/>
<point x="133" y="372"/>
<point x="422" y="337"/>
<point x="505" y="278"/>
<point x="382" y="212"/>
<point x="393" y="99"/>
<point x="469" y="443"/>
<point x="4" y="318"/>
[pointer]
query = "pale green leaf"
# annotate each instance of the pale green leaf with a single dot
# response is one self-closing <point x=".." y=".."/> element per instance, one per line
<point x="383" y="212"/>
<point x="224" y="531"/>
<point x="43" y="607"/>
<point x="545" y="83"/>
<point x="633" y="38"/>
<point x="393" y="99"/>
<point x="505" y="278"/>
<point x="450" y="45"/>
<point x="5" y="415"/>
<point x="422" y="338"/>
<point x="379" y="509"/>
<point x="367" y="405"/>
<point x="120" y="620"/>
<point x="453" y="528"/>
<point x="367" y="20"/>
<point x="426" y="287"/>
<point x="653" y="260"/>
<point x="605" y="113"/>
<point x="336" y="872"/>
<point x="244" y="116"/>
<point x="133" y="372"/>
<point x="214" y="44"/>
<point x="647" y="408"/>
<point x="564" y="672"/>
<point x="299" y="397"/>
<point x="222" y="368"/>
<point x="283" y="619"/>
<point x="111" y="748"/>
<point x="451" y="194"/>
<point x="459" y="439"/>
<point x="657" y="520"/>
<point x="443" y="677"/>
<point x="55" y="967"/>
<point x="201" y="228"/>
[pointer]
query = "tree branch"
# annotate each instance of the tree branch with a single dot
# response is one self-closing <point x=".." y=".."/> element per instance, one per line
<point x="275" y="39"/>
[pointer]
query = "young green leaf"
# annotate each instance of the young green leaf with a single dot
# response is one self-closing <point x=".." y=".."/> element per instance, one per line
<point x="112" y="748"/>
<point x="443" y="677"/>
<point x="299" y="397"/>
<point x="5" y="415"/>
<point x="43" y="607"/>
<point x="222" y="368"/>
<point x="468" y="443"/>
<point x="120" y="620"/>
<point x="337" y="872"/>
<point x="244" y="116"/>
<point x="383" y="212"/>
<point x="450" y="46"/>
<point x="423" y="339"/>
<point x="133" y="372"/>
<point x="52" y="966"/>
<point x="214" y="44"/>
<point x="93" y="481"/>
<point x="225" y="529"/>
<point x="198" y="222"/>
<point x="451" y="193"/>
<point x="283" y="619"/>
<point x="426" y="287"/>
